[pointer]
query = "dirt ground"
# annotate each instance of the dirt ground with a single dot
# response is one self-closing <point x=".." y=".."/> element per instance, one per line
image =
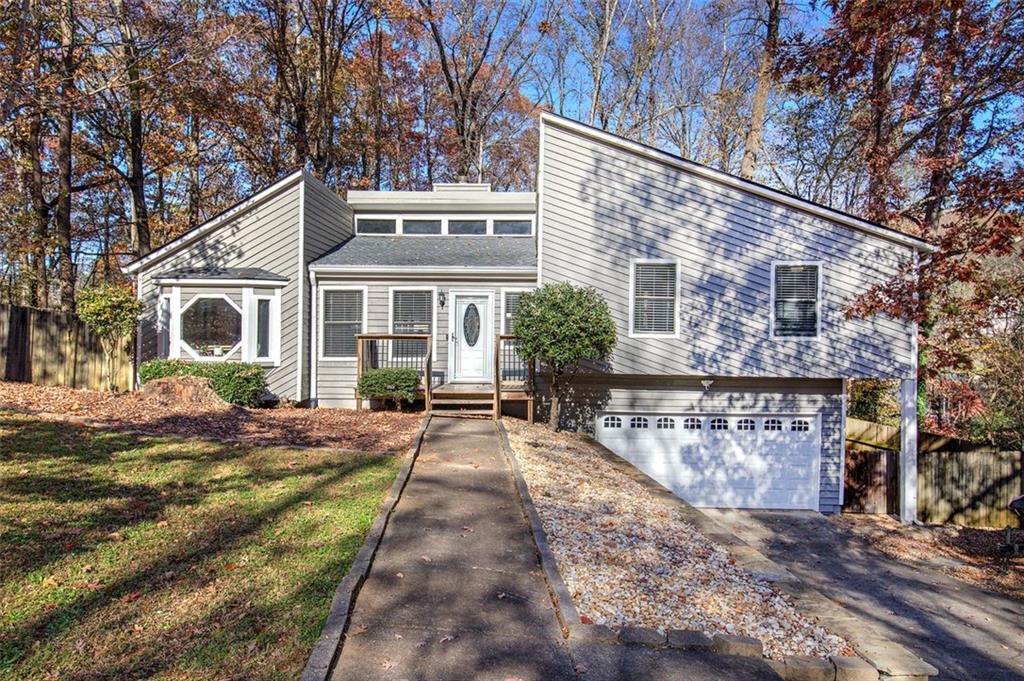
<point x="966" y="553"/>
<point x="287" y="427"/>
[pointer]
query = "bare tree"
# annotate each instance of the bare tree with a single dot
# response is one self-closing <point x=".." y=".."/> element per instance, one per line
<point x="765" y="80"/>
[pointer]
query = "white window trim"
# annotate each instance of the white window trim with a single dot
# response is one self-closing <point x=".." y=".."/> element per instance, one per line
<point x="183" y="344"/>
<point x="320" y="315"/>
<point x="250" y="300"/>
<point x="632" y="295"/>
<point x="433" y="314"/>
<point x="504" y="292"/>
<point x="487" y="218"/>
<point x="163" y="326"/>
<point x="817" y="305"/>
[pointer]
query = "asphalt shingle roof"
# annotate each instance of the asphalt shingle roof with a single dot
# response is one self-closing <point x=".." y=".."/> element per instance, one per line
<point x="221" y="273"/>
<point x="432" y="251"/>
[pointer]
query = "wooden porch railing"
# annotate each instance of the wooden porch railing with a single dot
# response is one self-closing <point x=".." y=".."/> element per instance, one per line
<point x="394" y="351"/>
<point x="512" y="374"/>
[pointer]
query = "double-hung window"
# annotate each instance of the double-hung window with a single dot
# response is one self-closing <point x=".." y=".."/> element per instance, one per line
<point x="796" y="300"/>
<point x="342" y="320"/>
<point x="654" y="298"/>
<point x="509" y="306"/>
<point x="412" y="311"/>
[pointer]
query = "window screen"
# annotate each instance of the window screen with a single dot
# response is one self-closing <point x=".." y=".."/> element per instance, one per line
<point x="371" y="226"/>
<point x="412" y="312"/>
<point x="421" y="226"/>
<point x="467" y="226"/>
<point x="796" y="300"/>
<point x="654" y="298"/>
<point x="514" y="227"/>
<point x="342" y="321"/>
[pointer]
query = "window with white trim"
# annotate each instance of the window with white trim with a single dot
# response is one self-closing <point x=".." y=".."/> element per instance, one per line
<point x="265" y="327"/>
<point x="639" y="422"/>
<point x="510" y="307"/>
<point x="211" y="326"/>
<point x="773" y="425"/>
<point x="612" y="422"/>
<point x="796" y="293"/>
<point x="376" y="226"/>
<point x="745" y="424"/>
<point x="163" y="326"/>
<point x="691" y="423"/>
<point x="655" y="294"/>
<point x="666" y="423"/>
<point x="412" y="312"/>
<point x="800" y="426"/>
<point x="341" y="322"/>
<point x="718" y="423"/>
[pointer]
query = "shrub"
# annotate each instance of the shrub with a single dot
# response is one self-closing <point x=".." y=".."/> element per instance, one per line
<point x="242" y="384"/>
<point x="563" y="325"/>
<point x="112" y="312"/>
<point x="397" y="384"/>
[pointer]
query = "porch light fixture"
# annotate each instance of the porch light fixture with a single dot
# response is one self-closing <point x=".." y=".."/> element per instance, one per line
<point x="707" y="383"/>
<point x="441" y="298"/>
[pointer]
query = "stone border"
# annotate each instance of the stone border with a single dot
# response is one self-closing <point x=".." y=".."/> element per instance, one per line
<point x="328" y="647"/>
<point x="877" y="658"/>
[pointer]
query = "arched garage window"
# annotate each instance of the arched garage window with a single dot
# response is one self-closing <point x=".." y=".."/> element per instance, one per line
<point x="666" y="423"/>
<point x="638" y="422"/>
<point x="612" y="422"/>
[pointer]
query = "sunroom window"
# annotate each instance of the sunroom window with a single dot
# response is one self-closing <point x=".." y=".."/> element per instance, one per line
<point x="211" y="326"/>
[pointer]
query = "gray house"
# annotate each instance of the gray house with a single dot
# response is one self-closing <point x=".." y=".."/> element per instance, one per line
<point x="727" y="382"/>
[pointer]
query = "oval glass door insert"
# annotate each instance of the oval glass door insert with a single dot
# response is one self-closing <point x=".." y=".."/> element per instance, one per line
<point x="471" y="325"/>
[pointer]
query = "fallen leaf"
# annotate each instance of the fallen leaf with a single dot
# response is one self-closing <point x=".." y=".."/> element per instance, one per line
<point x="293" y="464"/>
<point x="230" y="567"/>
<point x="585" y="620"/>
<point x="387" y="664"/>
<point x="446" y="639"/>
<point x="50" y="581"/>
<point x="133" y="596"/>
<point x="161" y="523"/>
<point x="115" y="536"/>
<point x="425" y="559"/>
<point x="399" y="575"/>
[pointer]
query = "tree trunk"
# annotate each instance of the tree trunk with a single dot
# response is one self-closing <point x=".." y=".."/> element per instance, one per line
<point x="39" y="290"/>
<point x="764" y="85"/>
<point x="65" y="130"/>
<point x="139" y="229"/>
<point x="879" y="161"/>
<point x="554" y="416"/>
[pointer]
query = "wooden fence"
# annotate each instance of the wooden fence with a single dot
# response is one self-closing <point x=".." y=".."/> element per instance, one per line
<point x="55" y="348"/>
<point x="959" y="482"/>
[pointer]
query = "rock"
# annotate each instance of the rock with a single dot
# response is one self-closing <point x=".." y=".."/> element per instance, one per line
<point x="806" y="668"/>
<point x="687" y="639"/>
<point x="744" y="646"/>
<point x="174" y="391"/>
<point x="853" y="669"/>
<point x="642" y="636"/>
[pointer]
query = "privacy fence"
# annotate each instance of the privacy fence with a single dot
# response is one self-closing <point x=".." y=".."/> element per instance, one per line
<point x="960" y="482"/>
<point x="54" y="348"/>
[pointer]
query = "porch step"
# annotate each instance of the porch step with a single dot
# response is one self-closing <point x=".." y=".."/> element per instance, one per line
<point x="462" y="400"/>
<point x="456" y="413"/>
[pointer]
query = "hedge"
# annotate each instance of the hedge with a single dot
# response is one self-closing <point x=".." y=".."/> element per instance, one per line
<point x="396" y="384"/>
<point x="234" y="382"/>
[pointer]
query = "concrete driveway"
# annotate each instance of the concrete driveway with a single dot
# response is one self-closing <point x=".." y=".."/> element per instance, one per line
<point x="966" y="632"/>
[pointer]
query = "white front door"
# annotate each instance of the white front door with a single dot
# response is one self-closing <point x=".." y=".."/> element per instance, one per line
<point x="471" y="333"/>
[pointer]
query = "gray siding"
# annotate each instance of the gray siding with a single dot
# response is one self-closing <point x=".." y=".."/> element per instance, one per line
<point x="327" y="222"/>
<point x="602" y="206"/>
<point x="336" y="380"/>
<point x="593" y="394"/>
<point x="265" y="235"/>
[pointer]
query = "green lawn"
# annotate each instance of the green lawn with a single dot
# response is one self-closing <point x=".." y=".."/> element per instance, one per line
<point x="125" y="557"/>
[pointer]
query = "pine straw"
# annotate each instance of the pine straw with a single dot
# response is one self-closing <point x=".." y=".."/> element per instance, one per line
<point x="367" y="431"/>
<point x="629" y="560"/>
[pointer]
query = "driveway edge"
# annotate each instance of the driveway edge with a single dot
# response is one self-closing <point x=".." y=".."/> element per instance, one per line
<point x="328" y="646"/>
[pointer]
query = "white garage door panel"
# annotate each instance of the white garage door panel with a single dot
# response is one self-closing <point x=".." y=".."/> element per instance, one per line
<point x="761" y="468"/>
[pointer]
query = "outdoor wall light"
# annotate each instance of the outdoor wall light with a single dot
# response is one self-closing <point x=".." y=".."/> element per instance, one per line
<point x="707" y="383"/>
<point x="441" y="299"/>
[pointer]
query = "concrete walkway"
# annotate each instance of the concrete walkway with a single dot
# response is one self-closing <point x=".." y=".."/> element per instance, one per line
<point x="456" y="590"/>
<point x="966" y="632"/>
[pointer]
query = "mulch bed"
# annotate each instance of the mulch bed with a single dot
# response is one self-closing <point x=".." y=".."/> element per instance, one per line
<point x="966" y="553"/>
<point x="286" y="427"/>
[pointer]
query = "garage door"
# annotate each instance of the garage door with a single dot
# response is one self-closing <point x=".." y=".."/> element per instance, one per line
<point x="722" y="460"/>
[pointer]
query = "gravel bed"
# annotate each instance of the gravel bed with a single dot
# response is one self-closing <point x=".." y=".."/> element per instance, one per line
<point x="629" y="560"/>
